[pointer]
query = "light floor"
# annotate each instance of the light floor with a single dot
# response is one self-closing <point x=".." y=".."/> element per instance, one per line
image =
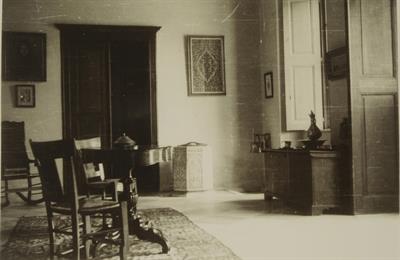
<point x="243" y="222"/>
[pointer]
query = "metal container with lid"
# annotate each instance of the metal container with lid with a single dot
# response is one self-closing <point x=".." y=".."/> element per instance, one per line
<point x="125" y="143"/>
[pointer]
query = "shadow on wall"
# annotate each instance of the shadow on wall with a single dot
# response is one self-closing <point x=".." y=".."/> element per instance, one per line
<point x="247" y="169"/>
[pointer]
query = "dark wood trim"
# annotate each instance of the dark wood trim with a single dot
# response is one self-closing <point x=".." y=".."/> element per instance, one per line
<point x="153" y="91"/>
<point x="107" y="28"/>
<point x="65" y="93"/>
<point x="106" y="32"/>
<point x="108" y="94"/>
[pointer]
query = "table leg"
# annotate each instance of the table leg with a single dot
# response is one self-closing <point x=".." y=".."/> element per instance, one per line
<point x="139" y="227"/>
<point x="144" y="230"/>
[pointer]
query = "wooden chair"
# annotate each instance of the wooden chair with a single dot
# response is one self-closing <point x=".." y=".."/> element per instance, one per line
<point x="15" y="164"/>
<point x="96" y="178"/>
<point x="65" y="200"/>
<point x="93" y="175"/>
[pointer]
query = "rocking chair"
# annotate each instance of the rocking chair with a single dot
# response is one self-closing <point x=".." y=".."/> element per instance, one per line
<point x="15" y="165"/>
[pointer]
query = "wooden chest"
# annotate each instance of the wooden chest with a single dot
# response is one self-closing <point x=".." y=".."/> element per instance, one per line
<point x="307" y="181"/>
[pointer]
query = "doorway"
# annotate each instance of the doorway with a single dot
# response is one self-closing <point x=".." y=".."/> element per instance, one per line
<point x="108" y="87"/>
<point x="360" y="90"/>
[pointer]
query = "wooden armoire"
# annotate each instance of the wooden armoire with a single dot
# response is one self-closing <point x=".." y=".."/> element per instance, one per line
<point x="109" y="86"/>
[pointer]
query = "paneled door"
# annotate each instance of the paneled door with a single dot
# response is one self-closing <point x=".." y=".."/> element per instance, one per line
<point x="302" y="47"/>
<point x="86" y="93"/>
<point x="373" y="85"/>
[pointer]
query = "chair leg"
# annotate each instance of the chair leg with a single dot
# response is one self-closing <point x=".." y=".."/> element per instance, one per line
<point x="124" y="247"/>
<point x="115" y="192"/>
<point x="75" y="237"/>
<point x="51" y="234"/>
<point x="6" y="199"/>
<point x="29" y="188"/>
<point x="87" y="229"/>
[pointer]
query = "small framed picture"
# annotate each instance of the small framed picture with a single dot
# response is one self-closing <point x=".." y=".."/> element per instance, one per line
<point x="268" y="85"/>
<point x="25" y="95"/>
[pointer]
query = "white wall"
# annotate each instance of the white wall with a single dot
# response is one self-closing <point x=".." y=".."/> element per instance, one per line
<point x="224" y="122"/>
<point x="270" y="53"/>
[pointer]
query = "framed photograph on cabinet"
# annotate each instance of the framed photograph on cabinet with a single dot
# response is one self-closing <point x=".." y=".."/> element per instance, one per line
<point x="268" y="85"/>
<point x="25" y="95"/>
<point x="24" y="56"/>
<point x="205" y="65"/>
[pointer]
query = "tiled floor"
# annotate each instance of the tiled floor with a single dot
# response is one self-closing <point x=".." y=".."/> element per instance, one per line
<point x="243" y="222"/>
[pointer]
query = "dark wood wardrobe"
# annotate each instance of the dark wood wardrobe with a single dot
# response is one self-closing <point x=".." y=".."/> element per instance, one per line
<point x="109" y="86"/>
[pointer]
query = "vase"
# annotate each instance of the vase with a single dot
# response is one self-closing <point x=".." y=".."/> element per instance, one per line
<point x="313" y="132"/>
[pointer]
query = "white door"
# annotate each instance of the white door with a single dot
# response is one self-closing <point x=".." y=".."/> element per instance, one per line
<point x="302" y="48"/>
<point x="373" y="81"/>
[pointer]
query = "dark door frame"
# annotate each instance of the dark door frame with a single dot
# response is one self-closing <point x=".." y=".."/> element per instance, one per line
<point x="106" y="32"/>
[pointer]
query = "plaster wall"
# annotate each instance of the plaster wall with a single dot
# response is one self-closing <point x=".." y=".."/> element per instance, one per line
<point x="271" y="53"/>
<point x="225" y="123"/>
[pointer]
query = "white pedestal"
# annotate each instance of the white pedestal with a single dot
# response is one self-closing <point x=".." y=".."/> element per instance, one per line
<point x="192" y="166"/>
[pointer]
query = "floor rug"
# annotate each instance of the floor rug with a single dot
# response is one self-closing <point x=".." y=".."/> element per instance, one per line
<point x="29" y="239"/>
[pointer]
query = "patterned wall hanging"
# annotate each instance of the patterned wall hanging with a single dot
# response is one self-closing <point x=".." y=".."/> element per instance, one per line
<point x="205" y="65"/>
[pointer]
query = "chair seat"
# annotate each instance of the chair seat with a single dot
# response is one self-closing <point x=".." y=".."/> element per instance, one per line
<point x="16" y="169"/>
<point x="90" y="205"/>
<point x="105" y="183"/>
<point x="18" y="173"/>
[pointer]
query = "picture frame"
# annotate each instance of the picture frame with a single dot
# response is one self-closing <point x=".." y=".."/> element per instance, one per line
<point x="24" y="56"/>
<point x="25" y="96"/>
<point x="336" y="64"/>
<point x="261" y="142"/>
<point x="268" y="85"/>
<point x="205" y="65"/>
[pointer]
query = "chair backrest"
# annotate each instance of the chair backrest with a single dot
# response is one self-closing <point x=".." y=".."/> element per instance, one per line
<point x="118" y="162"/>
<point x="90" y="170"/>
<point x="13" y="150"/>
<point x="47" y="154"/>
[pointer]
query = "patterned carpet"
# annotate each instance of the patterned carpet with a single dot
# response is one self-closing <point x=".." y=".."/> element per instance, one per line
<point x="29" y="239"/>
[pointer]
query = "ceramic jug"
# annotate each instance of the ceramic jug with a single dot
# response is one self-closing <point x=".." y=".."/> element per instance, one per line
<point x="313" y="132"/>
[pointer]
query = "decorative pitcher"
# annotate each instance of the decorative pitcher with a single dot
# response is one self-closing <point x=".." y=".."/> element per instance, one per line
<point x="313" y="132"/>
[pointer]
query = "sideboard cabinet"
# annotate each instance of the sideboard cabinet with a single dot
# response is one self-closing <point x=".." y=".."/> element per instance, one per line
<point x="306" y="181"/>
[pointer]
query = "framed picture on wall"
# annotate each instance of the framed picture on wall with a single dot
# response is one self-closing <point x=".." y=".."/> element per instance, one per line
<point x="205" y="65"/>
<point x="25" y="95"/>
<point x="24" y="56"/>
<point x="268" y="85"/>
